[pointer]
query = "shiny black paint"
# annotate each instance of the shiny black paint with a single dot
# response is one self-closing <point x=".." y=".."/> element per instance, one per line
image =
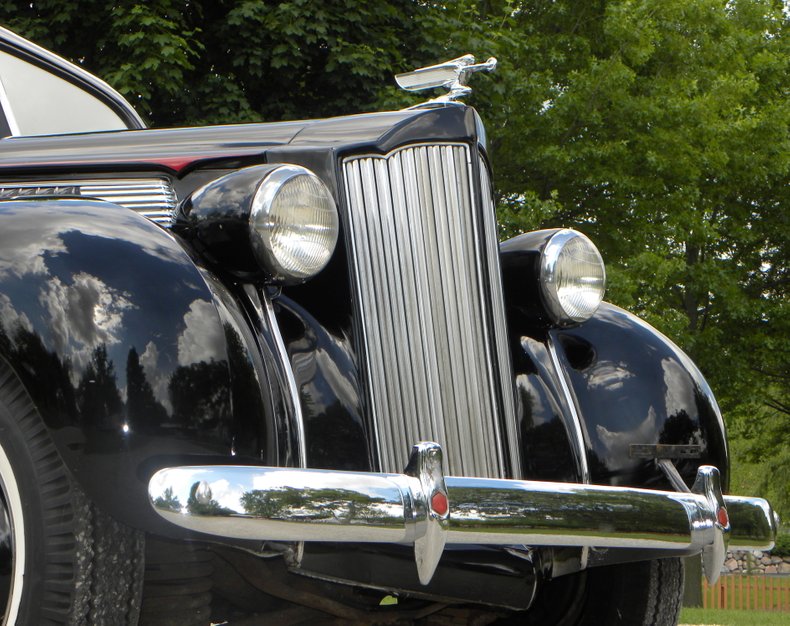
<point x="183" y="149"/>
<point x="545" y="419"/>
<point x="630" y="384"/>
<point x="479" y="574"/>
<point x="520" y="257"/>
<point x="327" y="377"/>
<point x="633" y="385"/>
<point x="129" y="350"/>
<point x="215" y="219"/>
<point x="545" y="425"/>
<point x="6" y="552"/>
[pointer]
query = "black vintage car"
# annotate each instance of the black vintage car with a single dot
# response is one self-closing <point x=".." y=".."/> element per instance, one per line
<point x="285" y="373"/>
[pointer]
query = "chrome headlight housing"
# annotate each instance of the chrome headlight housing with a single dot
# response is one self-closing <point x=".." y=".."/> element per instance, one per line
<point x="293" y="224"/>
<point x="572" y="277"/>
<point x="273" y="223"/>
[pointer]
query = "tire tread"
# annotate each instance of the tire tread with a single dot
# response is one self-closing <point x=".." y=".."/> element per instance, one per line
<point x="92" y="565"/>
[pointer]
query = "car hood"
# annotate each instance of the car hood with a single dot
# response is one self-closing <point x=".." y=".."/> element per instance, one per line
<point x="181" y="149"/>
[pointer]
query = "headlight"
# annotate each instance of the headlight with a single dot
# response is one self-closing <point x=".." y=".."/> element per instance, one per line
<point x="572" y="277"/>
<point x="293" y="224"/>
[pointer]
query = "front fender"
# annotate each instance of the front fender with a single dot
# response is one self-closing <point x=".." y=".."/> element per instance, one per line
<point x="133" y="354"/>
<point x="632" y="385"/>
<point x="590" y="392"/>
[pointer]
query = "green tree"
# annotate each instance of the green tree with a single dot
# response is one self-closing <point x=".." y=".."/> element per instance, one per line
<point x="661" y="129"/>
<point x="248" y="60"/>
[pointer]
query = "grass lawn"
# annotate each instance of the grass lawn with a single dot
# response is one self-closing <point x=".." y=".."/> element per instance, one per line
<point x="724" y="617"/>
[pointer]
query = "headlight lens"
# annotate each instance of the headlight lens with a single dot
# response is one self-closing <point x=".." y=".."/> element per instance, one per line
<point x="572" y="277"/>
<point x="293" y="224"/>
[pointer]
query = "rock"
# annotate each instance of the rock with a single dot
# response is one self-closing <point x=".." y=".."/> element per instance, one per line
<point x="731" y="565"/>
<point x="771" y="569"/>
<point x="758" y="554"/>
<point x="766" y="560"/>
<point x="784" y="568"/>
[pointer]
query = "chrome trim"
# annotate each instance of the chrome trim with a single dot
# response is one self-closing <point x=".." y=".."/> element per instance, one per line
<point x="425" y="465"/>
<point x="549" y="260"/>
<point x="267" y="503"/>
<point x="120" y="103"/>
<point x="264" y="308"/>
<point x="570" y="401"/>
<point x="452" y="74"/>
<point x="708" y="485"/>
<point x="497" y="299"/>
<point x="672" y="474"/>
<point x="418" y="268"/>
<point x="262" y="226"/>
<point x="153" y="198"/>
<point x="751" y="520"/>
<point x="8" y="111"/>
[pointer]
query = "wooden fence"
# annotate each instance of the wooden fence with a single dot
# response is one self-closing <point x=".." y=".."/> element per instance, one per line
<point x="735" y="591"/>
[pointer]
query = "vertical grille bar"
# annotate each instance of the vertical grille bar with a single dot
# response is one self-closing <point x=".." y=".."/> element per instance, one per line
<point x="425" y="308"/>
<point x="500" y="328"/>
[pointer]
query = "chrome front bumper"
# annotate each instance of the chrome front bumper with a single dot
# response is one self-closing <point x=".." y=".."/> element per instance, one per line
<point x="424" y="508"/>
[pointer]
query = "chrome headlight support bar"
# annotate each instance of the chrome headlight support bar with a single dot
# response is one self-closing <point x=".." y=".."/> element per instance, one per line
<point x="423" y="508"/>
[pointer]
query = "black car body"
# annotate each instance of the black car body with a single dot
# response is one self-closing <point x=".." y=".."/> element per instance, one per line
<point x="167" y="372"/>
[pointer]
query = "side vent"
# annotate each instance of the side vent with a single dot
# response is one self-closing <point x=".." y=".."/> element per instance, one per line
<point x="153" y="198"/>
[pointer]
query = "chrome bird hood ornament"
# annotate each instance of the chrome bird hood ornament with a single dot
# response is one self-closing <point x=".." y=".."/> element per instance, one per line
<point x="451" y="74"/>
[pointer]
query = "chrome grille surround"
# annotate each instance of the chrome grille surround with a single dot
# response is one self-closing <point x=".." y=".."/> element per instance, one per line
<point x="153" y="198"/>
<point x="425" y="267"/>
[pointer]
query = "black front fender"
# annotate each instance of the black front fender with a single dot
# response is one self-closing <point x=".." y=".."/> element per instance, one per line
<point x="132" y="353"/>
<point x="590" y="392"/>
<point x="633" y="385"/>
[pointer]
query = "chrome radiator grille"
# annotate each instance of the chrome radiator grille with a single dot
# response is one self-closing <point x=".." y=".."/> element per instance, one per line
<point x="426" y="274"/>
<point x="153" y="198"/>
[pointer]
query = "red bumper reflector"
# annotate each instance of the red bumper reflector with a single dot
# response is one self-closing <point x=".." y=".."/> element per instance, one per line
<point x="439" y="503"/>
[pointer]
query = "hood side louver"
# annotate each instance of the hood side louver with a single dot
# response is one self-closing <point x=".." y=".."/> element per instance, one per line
<point x="153" y="198"/>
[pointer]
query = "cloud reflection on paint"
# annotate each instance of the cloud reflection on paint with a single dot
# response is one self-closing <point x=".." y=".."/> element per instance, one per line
<point x="149" y="360"/>
<point x="10" y="319"/>
<point x="609" y="375"/>
<point x="203" y="337"/>
<point x="34" y="241"/>
<point x="84" y="314"/>
<point x="679" y="387"/>
<point x="617" y="443"/>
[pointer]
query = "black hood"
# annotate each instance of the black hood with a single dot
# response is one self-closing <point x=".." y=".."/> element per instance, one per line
<point x="181" y="149"/>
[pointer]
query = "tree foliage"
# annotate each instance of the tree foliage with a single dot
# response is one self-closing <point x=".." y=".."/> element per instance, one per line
<point x="229" y="61"/>
<point x="659" y="127"/>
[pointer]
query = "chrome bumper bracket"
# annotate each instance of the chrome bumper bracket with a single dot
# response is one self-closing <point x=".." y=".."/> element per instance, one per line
<point x="433" y="513"/>
<point x="708" y="485"/>
<point x="423" y="508"/>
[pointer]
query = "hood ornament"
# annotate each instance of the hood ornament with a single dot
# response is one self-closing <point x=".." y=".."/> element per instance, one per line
<point x="451" y="74"/>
